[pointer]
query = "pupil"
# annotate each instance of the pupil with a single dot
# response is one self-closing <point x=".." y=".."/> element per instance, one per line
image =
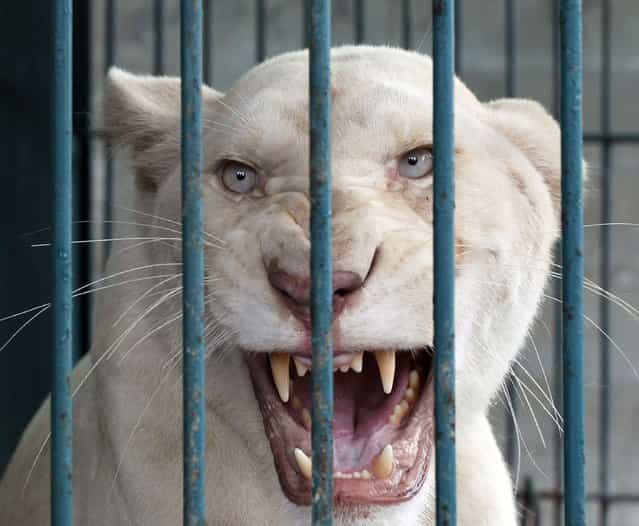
<point x="412" y="160"/>
<point x="240" y="176"/>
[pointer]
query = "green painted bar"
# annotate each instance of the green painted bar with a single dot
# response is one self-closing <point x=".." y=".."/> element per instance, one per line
<point x="193" y="266"/>
<point x="321" y="263"/>
<point x="61" y="400"/>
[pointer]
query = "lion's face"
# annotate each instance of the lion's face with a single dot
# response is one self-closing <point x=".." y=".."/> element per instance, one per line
<point x="256" y="195"/>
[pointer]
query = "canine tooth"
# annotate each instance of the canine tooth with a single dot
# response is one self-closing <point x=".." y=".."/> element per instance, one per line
<point x="383" y="464"/>
<point x="279" y="369"/>
<point x="413" y="379"/>
<point x="300" y="367"/>
<point x="410" y="394"/>
<point x="304" y="463"/>
<point x="358" y="362"/>
<point x="306" y="417"/>
<point x="386" y="365"/>
<point x="344" y="368"/>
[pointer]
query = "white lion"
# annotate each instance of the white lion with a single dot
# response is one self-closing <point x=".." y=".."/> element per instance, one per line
<point x="128" y="421"/>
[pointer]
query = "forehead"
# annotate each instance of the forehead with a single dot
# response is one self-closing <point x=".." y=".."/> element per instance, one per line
<point x="381" y="101"/>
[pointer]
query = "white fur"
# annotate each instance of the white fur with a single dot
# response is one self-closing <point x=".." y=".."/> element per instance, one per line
<point x="507" y="173"/>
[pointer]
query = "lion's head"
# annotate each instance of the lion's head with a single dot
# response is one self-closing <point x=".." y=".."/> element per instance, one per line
<point x="256" y="199"/>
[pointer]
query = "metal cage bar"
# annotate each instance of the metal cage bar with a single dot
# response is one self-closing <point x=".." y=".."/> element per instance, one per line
<point x="604" y="277"/>
<point x="444" y="258"/>
<point x="158" y="37"/>
<point x="207" y="42"/>
<point x="109" y="60"/>
<point x="359" y="20"/>
<point x="511" y="55"/>
<point x="193" y="264"/>
<point x="557" y="287"/>
<point x="407" y="24"/>
<point x="573" y="258"/>
<point x="321" y="262"/>
<point x="260" y="30"/>
<point x="61" y="400"/>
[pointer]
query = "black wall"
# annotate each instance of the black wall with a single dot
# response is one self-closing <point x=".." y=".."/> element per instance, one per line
<point x="26" y="38"/>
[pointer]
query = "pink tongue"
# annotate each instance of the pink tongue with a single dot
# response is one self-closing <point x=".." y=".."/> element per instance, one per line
<point x="360" y="404"/>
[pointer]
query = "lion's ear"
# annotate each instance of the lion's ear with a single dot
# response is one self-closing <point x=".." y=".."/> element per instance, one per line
<point x="530" y="128"/>
<point x="143" y="112"/>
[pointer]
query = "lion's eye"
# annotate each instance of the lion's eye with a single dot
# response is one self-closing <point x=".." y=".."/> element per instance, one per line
<point x="238" y="177"/>
<point x="416" y="163"/>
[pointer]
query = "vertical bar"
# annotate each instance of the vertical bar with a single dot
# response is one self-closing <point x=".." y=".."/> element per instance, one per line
<point x="510" y="44"/>
<point x="158" y="37"/>
<point x="573" y="252"/>
<point x="207" y="41"/>
<point x="557" y="288"/>
<point x="358" y="21"/>
<point x="61" y="402"/>
<point x="407" y="24"/>
<point x="510" y="48"/>
<point x="193" y="264"/>
<point x="260" y="30"/>
<point x="321" y="262"/>
<point x="306" y="23"/>
<point x="459" y="39"/>
<point x="109" y="60"/>
<point x="444" y="258"/>
<point x="604" y="277"/>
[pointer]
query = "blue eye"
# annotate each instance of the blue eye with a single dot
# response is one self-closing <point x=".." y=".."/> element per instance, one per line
<point x="238" y="177"/>
<point x="416" y="163"/>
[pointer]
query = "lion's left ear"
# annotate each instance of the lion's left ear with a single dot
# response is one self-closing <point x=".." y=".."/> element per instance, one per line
<point x="143" y="112"/>
<point x="536" y="134"/>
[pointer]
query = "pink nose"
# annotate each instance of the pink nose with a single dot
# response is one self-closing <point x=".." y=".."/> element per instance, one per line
<point x="296" y="292"/>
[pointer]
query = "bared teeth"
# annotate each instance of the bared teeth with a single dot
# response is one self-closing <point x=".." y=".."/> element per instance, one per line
<point x="383" y="464"/>
<point x="344" y="368"/>
<point x="413" y="379"/>
<point x="300" y="367"/>
<point x="304" y="463"/>
<point x="386" y="365"/>
<point x="279" y="369"/>
<point x="358" y="362"/>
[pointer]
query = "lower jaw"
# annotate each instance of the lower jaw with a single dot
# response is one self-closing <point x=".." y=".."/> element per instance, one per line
<point x="412" y="447"/>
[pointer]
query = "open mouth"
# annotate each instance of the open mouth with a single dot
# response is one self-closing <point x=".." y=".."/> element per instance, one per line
<point x="382" y="422"/>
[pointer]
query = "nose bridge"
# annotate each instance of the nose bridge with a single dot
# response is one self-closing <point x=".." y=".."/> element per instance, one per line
<point x="286" y="240"/>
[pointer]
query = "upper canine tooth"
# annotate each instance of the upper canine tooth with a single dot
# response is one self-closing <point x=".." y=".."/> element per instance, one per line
<point x="383" y="464"/>
<point x="386" y="364"/>
<point x="279" y="369"/>
<point x="358" y="362"/>
<point x="304" y="463"/>
<point x="300" y="367"/>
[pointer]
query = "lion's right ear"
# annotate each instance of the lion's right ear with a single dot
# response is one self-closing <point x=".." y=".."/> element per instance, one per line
<point x="143" y="112"/>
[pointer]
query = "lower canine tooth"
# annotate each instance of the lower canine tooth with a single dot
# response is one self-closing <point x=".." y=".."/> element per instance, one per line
<point x="279" y="369"/>
<point x="358" y="362"/>
<point x="304" y="463"/>
<point x="386" y="365"/>
<point x="383" y="464"/>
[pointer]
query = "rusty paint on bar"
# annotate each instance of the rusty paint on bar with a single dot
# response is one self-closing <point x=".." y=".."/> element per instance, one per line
<point x="193" y="265"/>
<point x="321" y="263"/>
<point x="444" y="259"/>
